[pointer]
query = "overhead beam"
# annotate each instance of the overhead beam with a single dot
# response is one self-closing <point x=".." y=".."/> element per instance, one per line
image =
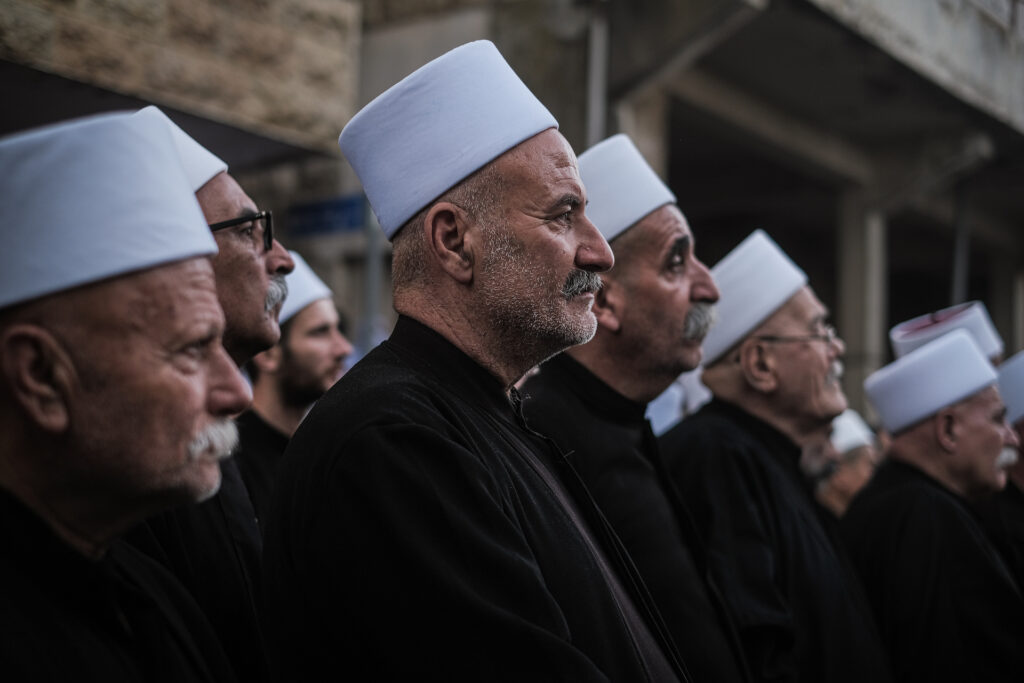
<point x="789" y="135"/>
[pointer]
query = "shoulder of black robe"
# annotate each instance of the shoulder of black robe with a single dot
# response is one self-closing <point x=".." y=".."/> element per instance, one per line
<point x="259" y="454"/>
<point x="946" y="605"/>
<point x="800" y="611"/>
<point x="408" y="541"/>
<point x="123" y="618"/>
<point x="214" y="548"/>
<point x="1002" y="517"/>
<point x="609" y="443"/>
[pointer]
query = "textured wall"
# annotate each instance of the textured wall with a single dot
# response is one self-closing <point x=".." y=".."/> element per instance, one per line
<point x="286" y="69"/>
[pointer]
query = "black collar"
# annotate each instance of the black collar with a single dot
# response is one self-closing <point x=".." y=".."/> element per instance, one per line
<point x="600" y="399"/>
<point x="450" y="366"/>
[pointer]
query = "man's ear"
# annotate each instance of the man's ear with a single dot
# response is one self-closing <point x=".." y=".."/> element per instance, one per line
<point x="39" y="374"/>
<point x="609" y="303"/>
<point x="268" y="361"/>
<point x="758" y="365"/>
<point x="447" y="234"/>
<point x="944" y="424"/>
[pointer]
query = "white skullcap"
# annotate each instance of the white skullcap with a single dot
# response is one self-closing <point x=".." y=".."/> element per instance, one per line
<point x="621" y="186"/>
<point x="929" y="378"/>
<point x="972" y="316"/>
<point x="199" y="163"/>
<point x="304" y="287"/>
<point x="434" y="128"/>
<point x="849" y="431"/>
<point x="89" y="199"/>
<point x="754" y="280"/>
<point x="1011" y="386"/>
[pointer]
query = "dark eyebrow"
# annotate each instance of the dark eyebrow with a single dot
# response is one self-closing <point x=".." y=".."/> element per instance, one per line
<point x="680" y="246"/>
<point x="569" y="199"/>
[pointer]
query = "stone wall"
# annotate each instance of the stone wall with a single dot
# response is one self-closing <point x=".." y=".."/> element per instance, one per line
<point x="285" y="69"/>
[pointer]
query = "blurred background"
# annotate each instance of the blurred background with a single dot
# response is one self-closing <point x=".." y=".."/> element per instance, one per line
<point x="880" y="142"/>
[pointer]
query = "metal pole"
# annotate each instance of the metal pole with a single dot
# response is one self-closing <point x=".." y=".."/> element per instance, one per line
<point x="961" y="247"/>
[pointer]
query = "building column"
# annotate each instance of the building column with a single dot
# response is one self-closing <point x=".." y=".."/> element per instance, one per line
<point x="644" y="118"/>
<point x="863" y="291"/>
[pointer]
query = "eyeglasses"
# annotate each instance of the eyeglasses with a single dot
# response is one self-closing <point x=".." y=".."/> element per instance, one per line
<point x="264" y="217"/>
<point x="828" y="336"/>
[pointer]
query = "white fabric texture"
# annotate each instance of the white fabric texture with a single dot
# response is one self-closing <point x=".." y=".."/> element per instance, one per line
<point x="754" y="280"/>
<point x="435" y="127"/>
<point x="929" y="378"/>
<point x="621" y="186"/>
<point x="90" y="199"/>
<point x="304" y="287"/>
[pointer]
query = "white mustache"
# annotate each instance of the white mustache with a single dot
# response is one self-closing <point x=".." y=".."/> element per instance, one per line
<point x="218" y="439"/>
<point x="1007" y="458"/>
<point x="276" y="292"/>
<point x="835" y="372"/>
<point x="699" y="320"/>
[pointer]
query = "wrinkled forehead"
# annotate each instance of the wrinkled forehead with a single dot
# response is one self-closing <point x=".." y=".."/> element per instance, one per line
<point x="222" y="198"/>
<point x="547" y="152"/>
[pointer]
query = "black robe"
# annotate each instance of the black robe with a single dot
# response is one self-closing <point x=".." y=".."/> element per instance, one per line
<point x="214" y="549"/>
<point x="800" y="611"/>
<point x="123" y="618"/>
<point x="1002" y="516"/>
<point x="609" y="442"/>
<point x="259" y="454"/>
<point x="946" y="605"/>
<point x="419" y="533"/>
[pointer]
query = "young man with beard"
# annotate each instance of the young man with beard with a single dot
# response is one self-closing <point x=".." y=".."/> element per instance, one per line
<point x="420" y="530"/>
<point x="115" y="401"/>
<point x="772" y="364"/>
<point x="946" y="603"/>
<point x="214" y="548"/>
<point x="653" y="311"/>
<point x="288" y="379"/>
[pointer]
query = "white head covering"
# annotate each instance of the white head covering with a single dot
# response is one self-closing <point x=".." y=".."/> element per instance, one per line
<point x="754" y="280"/>
<point x="304" y="287"/>
<point x="89" y="199"/>
<point x="849" y="431"/>
<point x="621" y="186"/>
<point x="1011" y="386"/>
<point x="940" y="373"/>
<point x="972" y="316"/>
<point x="199" y="163"/>
<point x="435" y="127"/>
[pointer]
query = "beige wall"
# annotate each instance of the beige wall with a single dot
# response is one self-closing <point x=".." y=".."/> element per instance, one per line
<point x="285" y="69"/>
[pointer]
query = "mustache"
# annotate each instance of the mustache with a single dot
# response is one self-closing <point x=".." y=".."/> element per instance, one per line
<point x="276" y="292"/>
<point x="218" y="439"/>
<point x="1007" y="458"/>
<point x="699" y="320"/>
<point x="836" y="371"/>
<point x="581" y="282"/>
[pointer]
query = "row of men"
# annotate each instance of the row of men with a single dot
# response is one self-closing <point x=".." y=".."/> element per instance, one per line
<point x="429" y="520"/>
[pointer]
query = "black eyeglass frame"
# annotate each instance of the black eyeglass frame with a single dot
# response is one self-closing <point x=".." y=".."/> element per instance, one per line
<point x="268" y="226"/>
<point x="829" y="336"/>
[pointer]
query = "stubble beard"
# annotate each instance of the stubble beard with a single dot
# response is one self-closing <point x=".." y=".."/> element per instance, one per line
<point x="538" y="324"/>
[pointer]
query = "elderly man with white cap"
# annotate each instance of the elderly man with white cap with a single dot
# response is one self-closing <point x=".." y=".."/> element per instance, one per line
<point x="653" y="311"/>
<point x="288" y="379"/>
<point x="772" y="365"/>
<point x="946" y="604"/>
<point x="852" y="458"/>
<point x="214" y="548"/>
<point x="1003" y="514"/>
<point x="115" y="401"/>
<point x="420" y="530"/>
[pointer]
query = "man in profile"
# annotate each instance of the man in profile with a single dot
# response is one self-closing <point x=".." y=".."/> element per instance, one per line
<point x="288" y="378"/>
<point x="946" y="603"/>
<point x="115" y="401"/>
<point x="420" y="530"/>
<point x="653" y="311"/>
<point x="214" y="548"/>
<point x="772" y="363"/>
